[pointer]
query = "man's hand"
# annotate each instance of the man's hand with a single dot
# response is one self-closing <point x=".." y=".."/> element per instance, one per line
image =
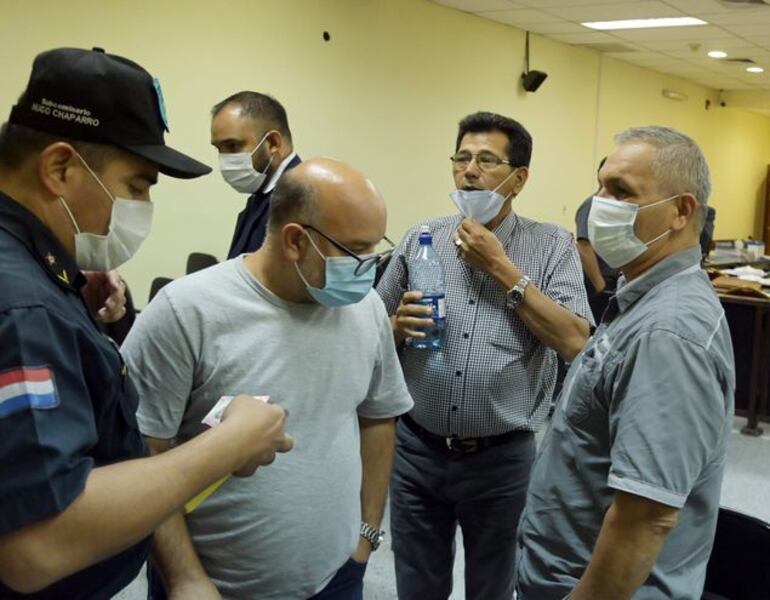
<point x="198" y="589"/>
<point x="410" y="317"/>
<point x="363" y="551"/>
<point x="259" y="427"/>
<point x="479" y="247"/>
<point x="104" y="295"/>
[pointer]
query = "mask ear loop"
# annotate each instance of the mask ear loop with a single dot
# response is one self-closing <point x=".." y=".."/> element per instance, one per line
<point x="99" y="181"/>
<point x="504" y="180"/>
<point x="272" y="156"/>
<point x="296" y="265"/>
<point x="69" y="212"/>
<point x="259" y="144"/>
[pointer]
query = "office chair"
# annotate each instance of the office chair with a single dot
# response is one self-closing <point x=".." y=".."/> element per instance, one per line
<point x="157" y="284"/>
<point x="197" y="261"/>
<point x="739" y="566"/>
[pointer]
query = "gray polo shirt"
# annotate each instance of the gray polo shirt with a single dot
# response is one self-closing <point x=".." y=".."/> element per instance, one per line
<point x="646" y="409"/>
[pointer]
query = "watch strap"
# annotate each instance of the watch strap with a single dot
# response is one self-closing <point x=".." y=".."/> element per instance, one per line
<point x="372" y="535"/>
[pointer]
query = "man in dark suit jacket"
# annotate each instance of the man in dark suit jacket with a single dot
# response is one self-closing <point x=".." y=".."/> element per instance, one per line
<point x="251" y="132"/>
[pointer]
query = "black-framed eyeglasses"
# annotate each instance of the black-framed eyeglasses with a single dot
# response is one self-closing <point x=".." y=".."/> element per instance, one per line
<point x="485" y="160"/>
<point x="365" y="263"/>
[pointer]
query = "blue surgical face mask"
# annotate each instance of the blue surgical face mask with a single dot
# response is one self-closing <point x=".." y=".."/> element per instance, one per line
<point x="342" y="285"/>
<point x="480" y="205"/>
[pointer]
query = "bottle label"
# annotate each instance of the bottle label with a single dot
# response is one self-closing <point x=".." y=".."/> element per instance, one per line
<point x="438" y="304"/>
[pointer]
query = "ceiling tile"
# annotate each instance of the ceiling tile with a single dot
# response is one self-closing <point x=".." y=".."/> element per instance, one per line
<point x="760" y="40"/>
<point x="700" y="33"/>
<point x="544" y="4"/>
<point x="518" y="17"/>
<point x="748" y="30"/>
<point x="588" y="37"/>
<point x="638" y="55"/>
<point x="734" y="50"/>
<point x="611" y="12"/>
<point x="698" y="8"/>
<point x="554" y="27"/>
<point x="741" y="16"/>
<point x="478" y="5"/>
<point x="680" y="51"/>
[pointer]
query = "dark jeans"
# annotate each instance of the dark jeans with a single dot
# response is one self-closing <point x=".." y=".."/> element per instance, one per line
<point x="432" y="492"/>
<point x="347" y="584"/>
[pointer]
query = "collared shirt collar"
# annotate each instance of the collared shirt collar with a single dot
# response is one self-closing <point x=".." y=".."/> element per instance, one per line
<point x="628" y="293"/>
<point x="277" y="175"/>
<point x="41" y="242"/>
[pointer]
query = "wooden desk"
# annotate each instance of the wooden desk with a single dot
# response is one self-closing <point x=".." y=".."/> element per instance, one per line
<point x="750" y="327"/>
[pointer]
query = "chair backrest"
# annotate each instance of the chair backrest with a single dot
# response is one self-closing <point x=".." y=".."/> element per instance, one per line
<point x="198" y="260"/>
<point x="739" y="566"/>
<point x="157" y="284"/>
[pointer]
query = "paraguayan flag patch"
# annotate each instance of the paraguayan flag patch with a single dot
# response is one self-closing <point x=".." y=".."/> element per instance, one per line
<point x="26" y="388"/>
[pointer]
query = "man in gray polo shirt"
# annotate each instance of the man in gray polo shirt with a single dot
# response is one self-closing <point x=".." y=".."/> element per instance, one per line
<point x="298" y="321"/>
<point x="624" y="495"/>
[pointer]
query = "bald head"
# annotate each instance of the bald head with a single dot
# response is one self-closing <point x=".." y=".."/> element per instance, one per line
<point x="332" y="196"/>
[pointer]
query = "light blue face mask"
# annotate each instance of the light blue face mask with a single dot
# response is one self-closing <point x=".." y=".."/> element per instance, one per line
<point x="342" y="285"/>
<point x="480" y="205"/>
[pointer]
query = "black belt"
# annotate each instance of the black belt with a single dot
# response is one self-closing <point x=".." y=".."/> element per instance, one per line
<point x="455" y="445"/>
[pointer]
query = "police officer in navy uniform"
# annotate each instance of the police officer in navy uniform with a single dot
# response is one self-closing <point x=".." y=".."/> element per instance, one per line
<point x="251" y="132"/>
<point x="78" y="496"/>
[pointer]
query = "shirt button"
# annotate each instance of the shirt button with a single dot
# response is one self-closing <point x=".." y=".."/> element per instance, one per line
<point x="471" y="301"/>
<point x="466" y="335"/>
<point x="454" y="408"/>
<point x="459" y="373"/>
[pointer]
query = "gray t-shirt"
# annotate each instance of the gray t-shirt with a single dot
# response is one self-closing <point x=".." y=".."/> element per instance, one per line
<point x="646" y="409"/>
<point x="285" y="531"/>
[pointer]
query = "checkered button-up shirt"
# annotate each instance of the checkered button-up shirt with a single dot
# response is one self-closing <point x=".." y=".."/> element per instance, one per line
<point x="493" y="375"/>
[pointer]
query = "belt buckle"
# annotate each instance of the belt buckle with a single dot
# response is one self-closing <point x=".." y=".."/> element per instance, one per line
<point x="461" y="446"/>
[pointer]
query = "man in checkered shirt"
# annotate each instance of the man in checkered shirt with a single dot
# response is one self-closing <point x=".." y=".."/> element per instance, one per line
<point x="515" y="298"/>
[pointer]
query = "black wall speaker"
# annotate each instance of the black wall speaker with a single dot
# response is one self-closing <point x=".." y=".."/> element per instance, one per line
<point x="533" y="80"/>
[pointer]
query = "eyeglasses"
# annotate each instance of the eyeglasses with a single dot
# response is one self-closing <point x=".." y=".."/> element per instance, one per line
<point x="485" y="160"/>
<point x="365" y="263"/>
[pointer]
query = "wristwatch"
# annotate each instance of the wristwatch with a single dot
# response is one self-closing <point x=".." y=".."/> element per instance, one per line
<point x="372" y="535"/>
<point x="515" y="295"/>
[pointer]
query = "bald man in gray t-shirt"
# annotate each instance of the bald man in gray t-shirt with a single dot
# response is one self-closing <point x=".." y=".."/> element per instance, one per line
<point x="251" y="325"/>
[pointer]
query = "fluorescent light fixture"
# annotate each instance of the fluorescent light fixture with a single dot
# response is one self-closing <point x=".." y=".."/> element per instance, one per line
<point x="717" y="54"/>
<point x="755" y="69"/>
<point x="645" y="23"/>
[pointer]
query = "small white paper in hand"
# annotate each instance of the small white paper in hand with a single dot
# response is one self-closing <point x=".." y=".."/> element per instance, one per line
<point x="214" y="416"/>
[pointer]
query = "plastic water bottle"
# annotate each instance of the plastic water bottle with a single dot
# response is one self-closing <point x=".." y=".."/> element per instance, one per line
<point x="427" y="276"/>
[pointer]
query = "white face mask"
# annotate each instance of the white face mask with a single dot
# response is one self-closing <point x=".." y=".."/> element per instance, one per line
<point x="611" y="230"/>
<point x="480" y="205"/>
<point x="238" y="170"/>
<point x="130" y="224"/>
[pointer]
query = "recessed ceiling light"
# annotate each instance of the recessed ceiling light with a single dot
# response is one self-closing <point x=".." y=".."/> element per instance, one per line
<point x="645" y="23"/>
<point x="755" y="69"/>
<point x="717" y="54"/>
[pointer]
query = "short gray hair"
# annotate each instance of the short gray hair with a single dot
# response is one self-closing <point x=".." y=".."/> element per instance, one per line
<point x="679" y="165"/>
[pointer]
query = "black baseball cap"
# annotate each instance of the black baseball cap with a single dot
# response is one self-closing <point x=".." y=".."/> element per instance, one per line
<point x="92" y="96"/>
